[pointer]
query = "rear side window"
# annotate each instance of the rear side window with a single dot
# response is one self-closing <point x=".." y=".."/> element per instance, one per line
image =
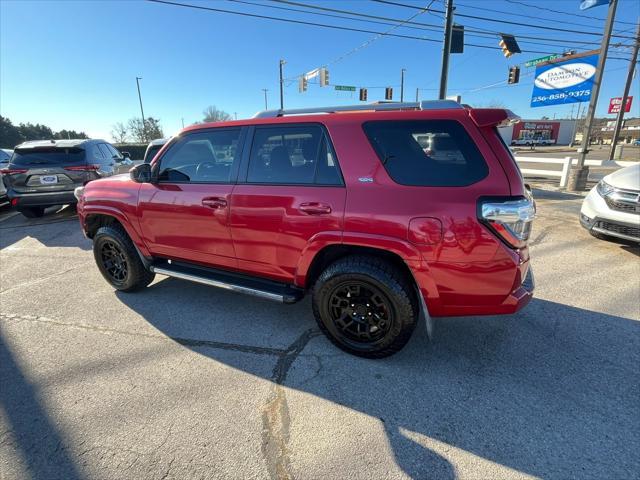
<point x="429" y="153"/>
<point x="201" y="157"/>
<point x="297" y="155"/>
<point x="47" y="156"/>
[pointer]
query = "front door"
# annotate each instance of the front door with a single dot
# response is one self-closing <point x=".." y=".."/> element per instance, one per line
<point x="292" y="190"/>
<point x="184" y="215"/>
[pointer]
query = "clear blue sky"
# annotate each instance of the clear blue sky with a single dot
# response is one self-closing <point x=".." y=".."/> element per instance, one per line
<point x="73" y="64"/>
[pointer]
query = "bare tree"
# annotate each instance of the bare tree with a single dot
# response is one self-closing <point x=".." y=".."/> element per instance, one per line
<point x="119" y="132"/>
<point x="147" y="132"/>
<point x="212" y="114"/>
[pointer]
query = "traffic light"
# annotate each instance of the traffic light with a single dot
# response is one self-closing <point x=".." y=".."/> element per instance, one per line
<point x="388" y="93"/>
<point x="324" y="77"/>
<point x="363" y="94"/>
<point x="514" y="75"/>
<point x="303" y="84"/>
<point x="457" y="39"/>
<point x="509" y="45"/>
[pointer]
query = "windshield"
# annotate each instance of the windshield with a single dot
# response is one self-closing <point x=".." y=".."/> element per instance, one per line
<point x="48" y="156"/>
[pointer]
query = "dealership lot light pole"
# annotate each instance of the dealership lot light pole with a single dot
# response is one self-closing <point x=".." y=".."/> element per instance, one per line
<point x="144" y="125"/>
<point x="578" y="175"/>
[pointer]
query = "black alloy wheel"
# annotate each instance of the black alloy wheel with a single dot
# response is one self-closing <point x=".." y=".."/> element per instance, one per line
<point x="114" y="261"/>
<point x="360" y="312"/>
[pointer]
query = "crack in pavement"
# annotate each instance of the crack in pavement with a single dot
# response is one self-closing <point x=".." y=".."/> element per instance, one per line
<point x="187" y="342"/>
<point x="275" y="414"/>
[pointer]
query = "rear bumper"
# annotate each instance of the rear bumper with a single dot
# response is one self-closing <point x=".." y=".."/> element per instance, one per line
<point x="514" y="302"/>
<point x="42" y="199"/>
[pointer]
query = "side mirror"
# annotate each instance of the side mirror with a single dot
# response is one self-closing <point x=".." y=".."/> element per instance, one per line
<point x="141" y="173"/>
<point x="126" y="154"/>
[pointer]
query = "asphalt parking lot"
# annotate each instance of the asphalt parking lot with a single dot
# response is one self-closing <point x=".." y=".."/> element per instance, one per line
<point x="184" y="381"/>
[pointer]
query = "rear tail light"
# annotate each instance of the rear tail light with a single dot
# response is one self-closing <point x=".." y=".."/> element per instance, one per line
<point x="510" y="219"/>
<point x="13" y="171"/>
<point x="14" y="202"/>
<point x="83" y="168"/>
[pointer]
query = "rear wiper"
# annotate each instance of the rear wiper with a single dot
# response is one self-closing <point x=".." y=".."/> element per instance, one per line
<point x="387" y="158"/>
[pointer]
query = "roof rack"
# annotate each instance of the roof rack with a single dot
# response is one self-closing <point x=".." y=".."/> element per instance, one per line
<point x="426" y="105"/>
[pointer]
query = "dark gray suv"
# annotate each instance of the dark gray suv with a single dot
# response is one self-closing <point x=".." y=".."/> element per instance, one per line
<point x="44" y="173"/>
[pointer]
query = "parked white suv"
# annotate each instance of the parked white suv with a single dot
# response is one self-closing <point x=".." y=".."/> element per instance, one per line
<point x="612" y="208"/>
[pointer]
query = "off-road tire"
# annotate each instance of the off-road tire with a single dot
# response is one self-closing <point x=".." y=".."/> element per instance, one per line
<point x="114" y="239"/>
<point x="32" y="212"/>
<point x="377" y="275"/>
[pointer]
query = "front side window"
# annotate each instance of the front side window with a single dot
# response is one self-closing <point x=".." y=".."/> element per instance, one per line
<point x="433" y="153"/>
<point x="201" y="157"/>
<point x="299" y="155"/>
<point x="114" y="152"/>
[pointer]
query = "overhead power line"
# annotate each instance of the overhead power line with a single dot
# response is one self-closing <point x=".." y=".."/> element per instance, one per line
<point x="377" y="37"/>
<point x="334" y="27"/>
<point x="469" y="29"/>
<point x="508" y="22"/>
<point x="538" y="7"/>
<point x="519" y="15"/>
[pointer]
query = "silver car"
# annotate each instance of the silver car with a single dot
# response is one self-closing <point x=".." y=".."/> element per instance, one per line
<point x="5" y="155"/>
<point x="612" y="208"/>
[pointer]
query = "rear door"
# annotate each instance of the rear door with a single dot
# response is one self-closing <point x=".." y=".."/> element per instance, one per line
<point x="292" y="189"/>
<point x="184" y="215"/>
<point x="47" y="169"/>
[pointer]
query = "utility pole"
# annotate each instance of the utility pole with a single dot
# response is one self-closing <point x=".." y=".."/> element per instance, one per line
<point x="575" y="125"/>
<point x="402" y="84"/>
<point x="235" y="115"/>
<point x="144" y="125"/>
<point x="625" y="95"/>
<point x="266" y="106"/>
<point x="417" y="94"/>
<point x="446" y="50"/>
<point x="578" y="175"/>
<point x="282" y="62"/>
<point x="182" y="122"/>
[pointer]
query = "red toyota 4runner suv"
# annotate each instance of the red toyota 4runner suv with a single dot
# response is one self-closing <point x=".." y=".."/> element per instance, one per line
<point x="381" y="212"/>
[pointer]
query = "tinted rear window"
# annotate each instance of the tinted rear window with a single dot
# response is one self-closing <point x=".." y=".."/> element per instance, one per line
<point x="47" y="156"/>
<point x="429" y="153"/>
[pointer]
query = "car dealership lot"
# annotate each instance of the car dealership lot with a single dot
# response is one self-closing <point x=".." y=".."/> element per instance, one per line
<point x="181" y="380"/>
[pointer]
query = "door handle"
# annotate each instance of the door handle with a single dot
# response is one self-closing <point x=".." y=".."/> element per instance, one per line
<point x="214" y="202"/>
<point x="315" y="208"/>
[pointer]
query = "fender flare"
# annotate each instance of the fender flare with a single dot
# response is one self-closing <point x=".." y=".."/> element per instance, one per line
<point x="116" y="213"/>
<point x="409" y="254"/>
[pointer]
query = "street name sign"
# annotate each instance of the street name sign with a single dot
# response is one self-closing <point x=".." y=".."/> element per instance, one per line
<point x="534" y="62"/>
<point x="344" y="88"/>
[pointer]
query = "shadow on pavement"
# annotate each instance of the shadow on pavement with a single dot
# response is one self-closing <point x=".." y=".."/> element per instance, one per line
<point x="16" y="227"/>
<point x="550" y="392"/>
<point x="38" y="441"/>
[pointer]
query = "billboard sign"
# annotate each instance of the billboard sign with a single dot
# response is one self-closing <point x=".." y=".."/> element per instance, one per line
<point x="616" y="102"/>
<point x="568" y="81"/>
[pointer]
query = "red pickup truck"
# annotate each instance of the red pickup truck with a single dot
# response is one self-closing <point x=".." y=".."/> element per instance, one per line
<point x="381" y="212"/>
